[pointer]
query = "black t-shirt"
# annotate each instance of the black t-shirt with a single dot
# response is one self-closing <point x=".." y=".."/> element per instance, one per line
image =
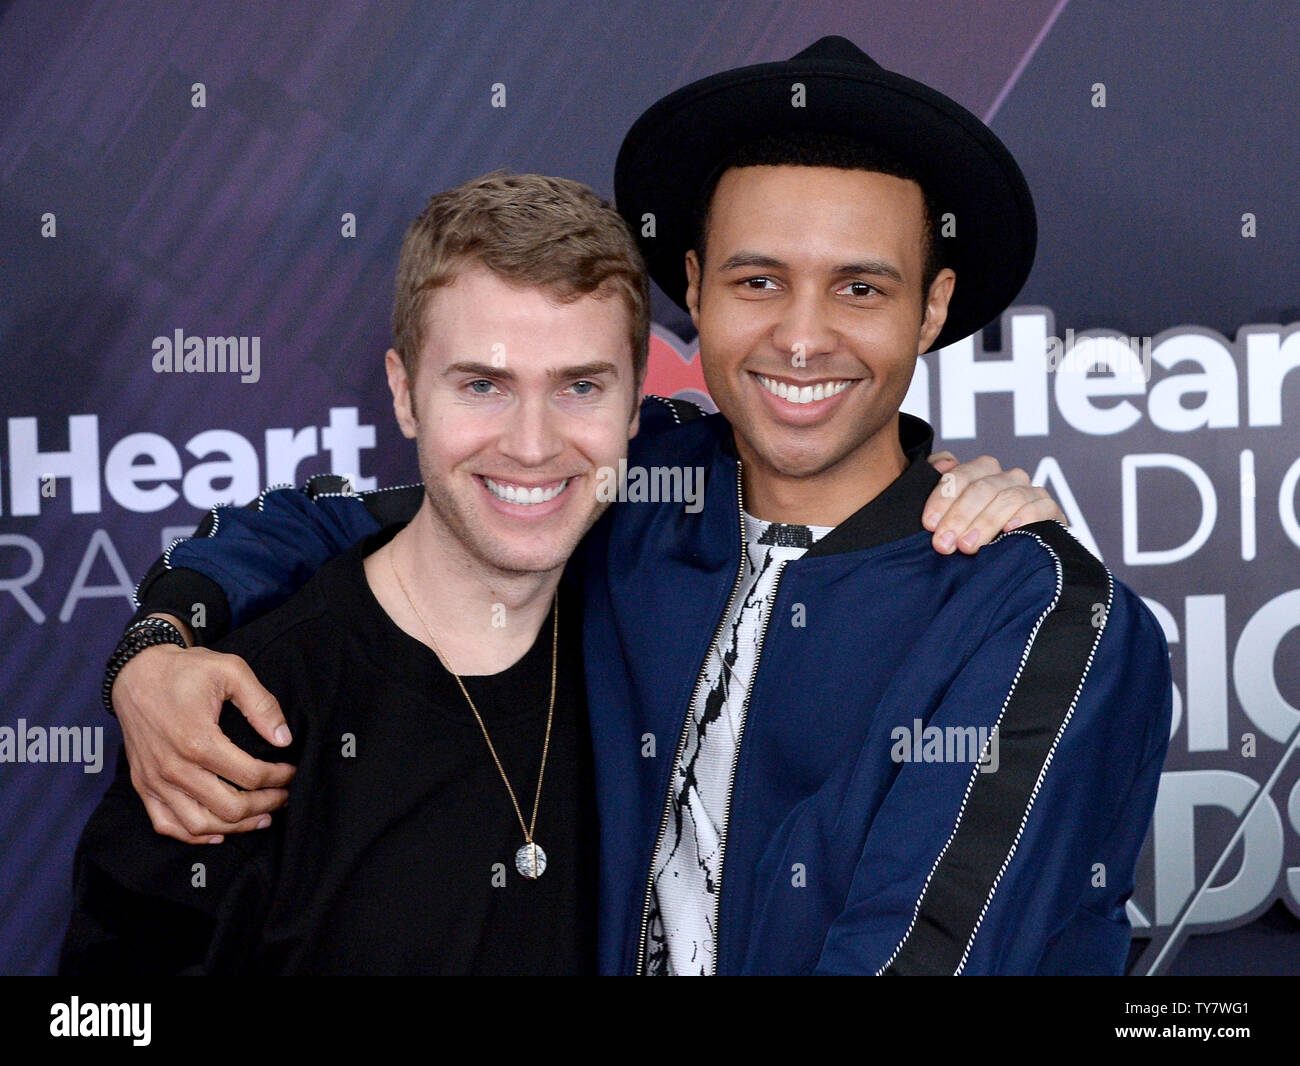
<point x="395" y="852"/>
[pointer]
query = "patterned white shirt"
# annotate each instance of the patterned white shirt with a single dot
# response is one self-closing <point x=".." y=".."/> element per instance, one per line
<point x="681" y="935"/>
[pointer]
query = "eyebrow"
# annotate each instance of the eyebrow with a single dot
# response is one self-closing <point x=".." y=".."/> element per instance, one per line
<point x="487" y="370"/>
<point x="877" y="268"/>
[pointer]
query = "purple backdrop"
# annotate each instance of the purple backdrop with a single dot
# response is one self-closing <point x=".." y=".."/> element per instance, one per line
<point x="240" y="170"/>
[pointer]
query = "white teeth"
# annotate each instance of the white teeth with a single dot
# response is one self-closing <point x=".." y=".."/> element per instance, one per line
<point x="806" y="394"/>
<point x="521" y="495"/>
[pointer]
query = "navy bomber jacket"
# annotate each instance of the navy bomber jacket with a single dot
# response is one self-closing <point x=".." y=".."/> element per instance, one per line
<point x="949" y="763"/>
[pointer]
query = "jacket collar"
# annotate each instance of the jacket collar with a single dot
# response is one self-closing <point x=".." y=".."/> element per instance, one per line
<point x="896" y="512"/>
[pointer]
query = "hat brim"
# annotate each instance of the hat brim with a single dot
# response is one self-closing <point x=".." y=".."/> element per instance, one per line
<point x="676" y="146"/>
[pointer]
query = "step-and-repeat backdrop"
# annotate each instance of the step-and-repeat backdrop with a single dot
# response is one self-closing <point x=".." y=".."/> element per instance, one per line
<point x="243" y="173"/>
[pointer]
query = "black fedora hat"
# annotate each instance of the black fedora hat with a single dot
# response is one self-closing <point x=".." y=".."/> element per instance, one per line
<point x="675" y="148"/>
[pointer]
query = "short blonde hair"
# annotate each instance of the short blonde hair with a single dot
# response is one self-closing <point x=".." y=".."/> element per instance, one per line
<point x="529" y="229"/>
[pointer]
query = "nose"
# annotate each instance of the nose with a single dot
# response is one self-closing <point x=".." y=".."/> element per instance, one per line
<point x="532" y="437"/>
<point x="803" y="329"/>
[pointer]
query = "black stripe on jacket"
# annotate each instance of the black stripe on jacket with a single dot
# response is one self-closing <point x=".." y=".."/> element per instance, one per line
<point x="1053" y="670"/>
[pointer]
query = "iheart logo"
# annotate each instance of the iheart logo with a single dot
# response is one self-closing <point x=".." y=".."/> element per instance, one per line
<point x="674" y="369"/>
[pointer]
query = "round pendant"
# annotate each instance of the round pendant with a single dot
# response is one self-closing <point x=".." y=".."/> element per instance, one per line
<point x="530" y="860"/>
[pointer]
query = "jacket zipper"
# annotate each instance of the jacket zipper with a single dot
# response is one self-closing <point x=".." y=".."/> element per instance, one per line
<point x="735" y="763"/>
<point x="681" y="742"/>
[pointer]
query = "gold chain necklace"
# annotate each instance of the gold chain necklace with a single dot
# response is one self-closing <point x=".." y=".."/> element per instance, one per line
<point x="530" y="860"/>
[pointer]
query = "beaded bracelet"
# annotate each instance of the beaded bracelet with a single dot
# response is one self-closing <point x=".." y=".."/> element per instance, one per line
<point x="146" y="633"/>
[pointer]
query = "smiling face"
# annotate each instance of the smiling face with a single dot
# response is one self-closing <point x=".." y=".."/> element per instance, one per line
<point x="810" y="312"/>
<point x="517" y="401"/>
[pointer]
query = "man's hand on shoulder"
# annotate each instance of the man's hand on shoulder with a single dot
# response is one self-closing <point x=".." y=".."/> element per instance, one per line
<point x="977" y="500"/>
<point x="168" y="700"/>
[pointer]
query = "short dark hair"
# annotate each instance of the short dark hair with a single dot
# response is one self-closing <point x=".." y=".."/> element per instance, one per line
<point x="812" y="149"/>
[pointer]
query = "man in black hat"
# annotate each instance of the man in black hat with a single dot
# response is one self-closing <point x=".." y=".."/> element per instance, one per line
<point x="672" y="158"/>
<point x="842" y="798"/>
<point x="910" y="762"/>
